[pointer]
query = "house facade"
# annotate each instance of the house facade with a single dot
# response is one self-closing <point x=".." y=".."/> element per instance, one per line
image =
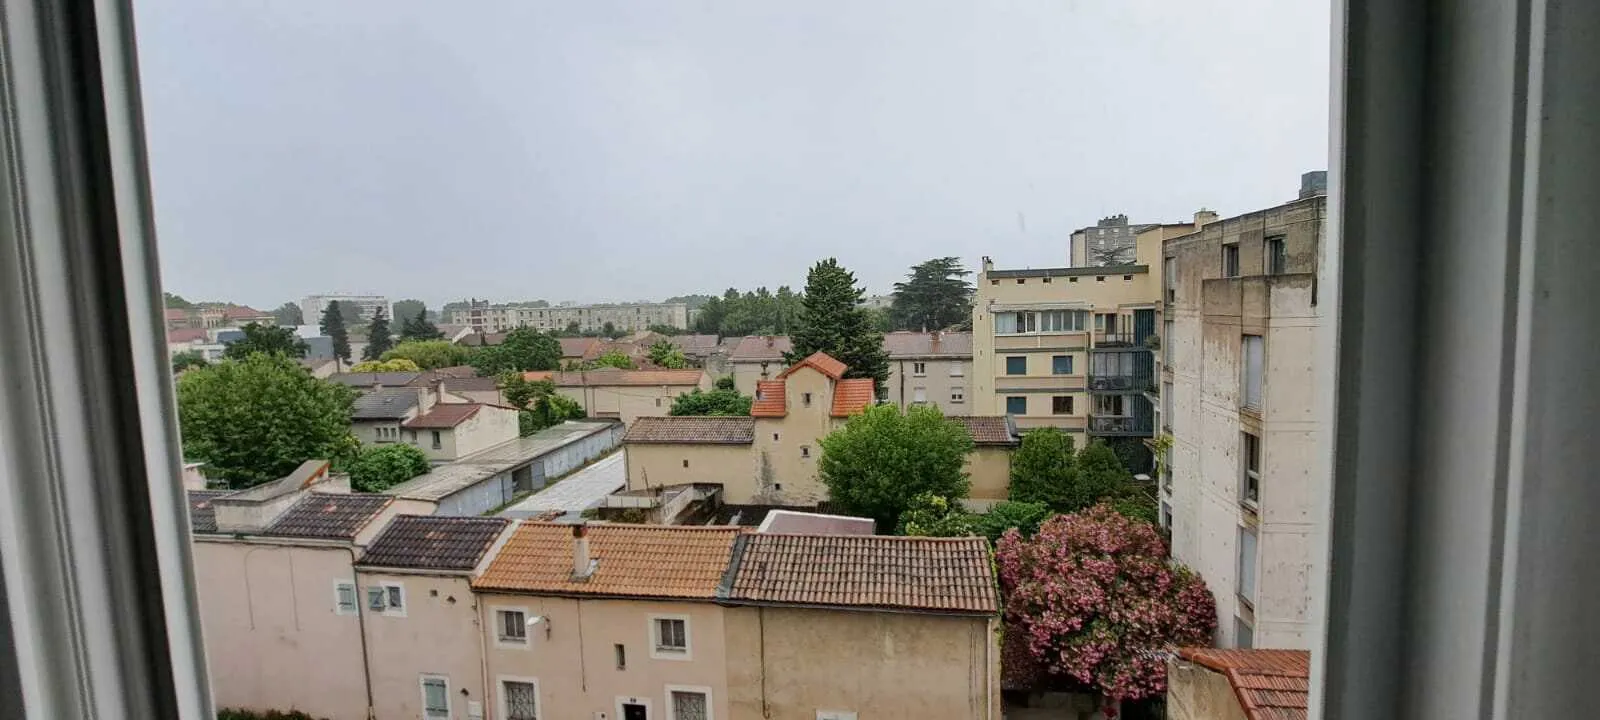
<point x="625" y="395"/>
<point x="757" y="358"/>
<point x="930" y="368"/>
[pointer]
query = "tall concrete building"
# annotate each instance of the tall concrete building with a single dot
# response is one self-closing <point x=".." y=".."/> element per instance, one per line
<point x="312" y="306"/>
<point x="1239" y="320"/>
<point x="482" y="316"/>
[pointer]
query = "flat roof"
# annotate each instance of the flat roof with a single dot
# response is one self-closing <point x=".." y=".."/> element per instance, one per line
<point x="449" y="479"/>
<point x="577" y="492"/>
<point x="1068" y="272"/>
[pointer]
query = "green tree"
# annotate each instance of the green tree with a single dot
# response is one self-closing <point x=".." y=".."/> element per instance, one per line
<point x="573" y="328"/>
<point x="609" y="330"/>
<point x="879" y="319"/>
<point x="539" y="404"/>
<point x="726" y="382"/>
<point x="522" y="350"/>
<point x="665" y="354"/>
<point x="416" y="325"/>
<point x="935" y="295"/>
<point x="379" y="339"/>
<point x="266" y="339"/>
<point x="1044" y="470"/>
<point x="256" y="419"/>
<point x="1025" y="517"/>
<point x="665" y="330"/>
<point x="407" y="309"/>
<point x="832" y="320"/>
<point x="931" y="515"/>
<point x="716" y="402"/>
<point x="176" y="301"/>
<point x="288" y="315"/>
<point x="334" y="329"/>
<point x="188" y="359"/>
<point x="612" y="359"/>
<point x="381" y="467"/>
<point x="378" y="366"/>
<point x="880" y="459"/>
<point x="430" y="354"/>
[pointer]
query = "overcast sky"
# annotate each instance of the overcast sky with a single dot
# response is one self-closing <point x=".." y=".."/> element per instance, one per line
<point x="608" y="151"/>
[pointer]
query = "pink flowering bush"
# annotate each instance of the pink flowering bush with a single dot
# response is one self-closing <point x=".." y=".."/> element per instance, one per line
<point x="1094" y="598"/>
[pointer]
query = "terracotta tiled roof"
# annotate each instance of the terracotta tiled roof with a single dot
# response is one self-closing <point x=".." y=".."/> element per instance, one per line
<point x="1270" y="684"/>
<point x="694" y="344"/>
<point x="821" y="362"/>
<point x="329" y="516"/>
<point x="614" y="376"/>
<point x="202" y="516"/>
<point x="769" y="402"/>
<point x="578" y="347"/>
<point x="687" y="430"/>
<point x="989" y="429"/>
<point x="670" y="561"/>
<point x="759" y="348"/>
<point x="926" y="344"/>
<point x="177" y="314"/>
<point x="433" y="542"/>
<point x="242" y="312"/>
<point x="952" y="575"/>
<point x="444" y="415"/>
<point x="852" y="396"/>
<point x="186" y="335"/>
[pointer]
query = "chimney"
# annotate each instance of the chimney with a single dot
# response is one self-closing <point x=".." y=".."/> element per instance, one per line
<point x="582" y="566"/>
<point x="1203" y="217"/>
<point x="769" y="341"/>
<point x="1313" y="183"/>
<point x="987" y="264"/>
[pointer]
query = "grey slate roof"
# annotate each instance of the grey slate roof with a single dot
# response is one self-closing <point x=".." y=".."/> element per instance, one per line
<point x="386" y="379"/>
<point x="202" y="516"/>
<point x="433" y="542"/>
<point x="384" y="404"/>
<point x="328" y="516"/>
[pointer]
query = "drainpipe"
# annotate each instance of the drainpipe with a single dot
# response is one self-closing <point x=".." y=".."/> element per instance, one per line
<point x="483" y="652"/>
<point x="361" y="621"/>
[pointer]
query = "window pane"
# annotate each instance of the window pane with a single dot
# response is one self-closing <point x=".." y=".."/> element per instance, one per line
<point x="395" y="600"/>
<point x="1254" y="352"/>
<point x="1061" y="405"/>
<point x="1016" y="405"/>
<point x="435" y="696"/>
<point x="1005" y="322"/>
<point x="1017" y="365"/>
<point x="688" y="705"/>
<point x="1061" y="364"/>
<point x="1247" y="564"/>
<point x="522" y="700"/>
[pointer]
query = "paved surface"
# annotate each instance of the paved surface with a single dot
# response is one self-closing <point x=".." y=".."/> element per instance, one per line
<point x="577" y="492"/>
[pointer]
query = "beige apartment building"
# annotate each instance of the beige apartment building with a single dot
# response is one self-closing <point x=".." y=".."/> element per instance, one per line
<point x="1240" y="318"/>
<point x="484" y="317"/>
<point x="930" y="368"/>
<point x="757" y="358"/>
<point x="443" y="425"/>
<point x="624" y="395"/>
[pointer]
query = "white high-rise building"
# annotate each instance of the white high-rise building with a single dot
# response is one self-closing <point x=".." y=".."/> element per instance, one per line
<point x="312" y="306"/>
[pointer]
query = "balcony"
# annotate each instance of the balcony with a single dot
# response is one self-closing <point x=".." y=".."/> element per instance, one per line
<point x="1114" y="425"/>
<point x="1114" y="339"/>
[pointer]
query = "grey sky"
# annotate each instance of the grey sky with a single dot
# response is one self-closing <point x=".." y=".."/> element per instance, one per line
<point x="594" y="151"/>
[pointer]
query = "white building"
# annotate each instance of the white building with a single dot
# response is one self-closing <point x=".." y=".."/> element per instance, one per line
<point x="625" y="317"/>
<point x="312" y="306"/>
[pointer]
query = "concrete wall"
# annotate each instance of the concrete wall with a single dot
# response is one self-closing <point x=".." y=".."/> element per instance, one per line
<point x="734" y="466"/>
<point x="789" y="447"/>
<point x="629" y="402"/>
<point x="786" y="664"/>
<point x="937" y="383"/>
<point x="274" y="636"/>
<point x="1196" y="693"/>
<point x="367" y="432"/>
<point x="437" y="635"/>
<point x="489" y="427"/>
<point x="575" y="664"/>
<point x="989" y="468"/>
<point x="746" y="373"/>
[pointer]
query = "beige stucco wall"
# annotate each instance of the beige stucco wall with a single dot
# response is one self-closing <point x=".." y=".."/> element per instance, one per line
<point x="437" y="635"/>
<point x="787" y="448"/>
<point x="793" y="662"/>
<point x="989" y="469"/>
<point x="367" y="432"/>
<point x="489" y="427"/>
<point x="746" y="373"/>
<point x="575" y="664"/>
<point x="1195" y="693"/>
<point x="657" y="465"/>
<point x="629" y="402"/>
<point x="937" y="383"/>
<point x="274" y="637"/>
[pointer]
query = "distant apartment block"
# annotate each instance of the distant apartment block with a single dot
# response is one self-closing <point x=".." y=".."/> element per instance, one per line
<point x="312" y="306"/>
<point x="212" y="317"/>
<point x="1240" y="318"/>
<point x="930" y="368"/>
<point x="484" y="317"/>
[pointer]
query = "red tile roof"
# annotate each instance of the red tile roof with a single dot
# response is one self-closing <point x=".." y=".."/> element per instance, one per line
<point x="242" y="312"/>
<point x="186" y="335"/>
<point x="769" y="401"/>
<point x="1270" y="684"/>
<point x="852" y="396"/>
<point x="579" y="347"/>
<point x="952" y="575"/>
<point x="669" y="561"/>
<point x="758" y="348"/>
<point x="444" y="415"/>
<point x="821" y="362"/>
<point x="989" y="429"/>
<point x="177" y="314"/>
<point x="692" y="430"/>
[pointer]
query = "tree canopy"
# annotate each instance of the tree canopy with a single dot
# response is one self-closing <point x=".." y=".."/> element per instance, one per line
<point x="415" y="326"/>
<point x="266" y="339"/>
<point x="332" y="327"/>
<point x="611" y="359"/>
<point x="752" y="312"/>
<point x="539" y="404"/>
<point x="379" y="338"/>
<point x="935" y="295"/>
<point x="523" y="349"/>
<point x="256" y="419"/>
<point x="381" y="467"/>
<point x="176" y="301"/>
<point x="665" y="354"/>
<point x="1045" y="470"/>
<point x="288" y="315"/>
<point x="188" y="359"/>
<point x="880" y="459"/>
<point x="1093" y="596"/>
<point x="832" y="320"/>
<point x="716" y="402"/>
<point x="430" y="354"/>
<point x="406" y="309"/>
<point x="393" y="365"/>
<point x="934" y="516"/>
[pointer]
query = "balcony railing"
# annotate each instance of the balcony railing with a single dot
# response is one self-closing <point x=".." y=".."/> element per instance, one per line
<point x="1121" y="425"/>
<point x="1114" y="383"/>
<point x="1113" y="339"/>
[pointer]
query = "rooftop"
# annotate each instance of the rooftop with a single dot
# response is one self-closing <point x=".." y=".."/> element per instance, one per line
<point x="694" y="344"/>
<point x="328" y="516"/>
<point x="202" y="514"/>
<point x="759" y="348"/>
<point x="947" y="575"/>
<point x="433" y="542"/>
<point x="904" y="344"/>
<point x="187" y="335"/>
<point x="990" y="429"/>
<point x="446" y="480"/>
<point x="687" y="430"/>
<point x="819" y="361"/>
<point x="1069" y="272"/>
<point x="579" y="347"/>
<point x="445" y="415"/>
<point x="615" y="376"/>
<point x="468" y="384"/>
<point x="386" y="403"/>
<point x="386" y="379"/>
<point x="1270" y="684"/>
<point x="852" y="396"/>
<point x="770" y="400"/>
<point x="665" y="561"/>
<point x="577" y="492"/>
<point x="790" y="522"/>
<point x="304" y="476"/>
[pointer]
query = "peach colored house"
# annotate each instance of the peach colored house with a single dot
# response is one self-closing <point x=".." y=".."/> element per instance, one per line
<point x="427" y="660"/>
<point x="989" y="464"/>
<point x="453" y="430"/>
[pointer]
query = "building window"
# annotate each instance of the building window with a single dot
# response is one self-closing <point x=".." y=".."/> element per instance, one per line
<point x="519" y="699"/>
<point x="1108" y="405"/>
<point x="686" y="462"/>
<point x="1099" y="278"/>
<point x="774" y="437"/>
<point x="1072" y="279"/>
<point x="688" y="703"/>
<point x="1127" y="278"/>
<point x="919" y="369"/>
<point x="1061" y="405"/>
<point x="344" y="595"/>
<point x="438" y="440"/>
<point x="1277" y="256"/>
<point x="1166" y="515"/>
<point x="388" y="599"/>
<point x="1017" y="365"/>
<point x="435" y="697"/>
<point x="1251" y="492"/>
<point x="1230" y="260"/>
<point x="1061" y="365"/>
<point x="622" y="656"/>
<point x="1017" y="405"/>
<point x="513" y="626"/>
<point x="1244" y="636"/>
<point x="805" y="451"/>
<point x="1253" y="352"/>
<point x="1021" y="281"/>
<point x="1247" y="566"/>
<point x="1170" y="270"/>
<point x="669" y="637"/>
<point x="956" y="369"/>
<point x="958" y="395"/>
<point x="1047" y="278"/>
<point x="805" y="399"/>
<point x="658" y="402"/>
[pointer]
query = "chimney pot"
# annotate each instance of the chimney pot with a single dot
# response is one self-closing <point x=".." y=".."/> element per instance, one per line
<point x="582" y="566"/>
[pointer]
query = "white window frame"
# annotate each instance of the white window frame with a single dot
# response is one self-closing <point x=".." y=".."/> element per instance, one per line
<point x="805" y="451"/>
<point x="958" y="395"/>
<point x="422" y="689"/>
<point x="919" y="396"/>
<point x="388" y="609"/>
<point x="500" y="695"/>
<point x="499" y="624"/>
<point x="656" y="652"/>
<point x="338" y="602"/>
<point x="919" y="369"/>
<point x="634" y="700"/>
<point x="672" y="710"/>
